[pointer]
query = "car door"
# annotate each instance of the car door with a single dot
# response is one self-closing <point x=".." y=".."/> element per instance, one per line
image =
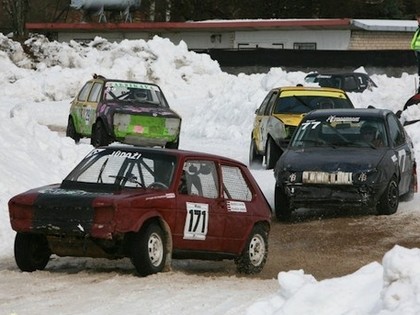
<point x="263" y="115"/>
<point x="201" y="212"/>
<point x="84" y="106"/>
<point x="238" y="198"/>
<point x="89" y="107"/>
<point x="77" y="108"/>
<point x="403" y="151"/>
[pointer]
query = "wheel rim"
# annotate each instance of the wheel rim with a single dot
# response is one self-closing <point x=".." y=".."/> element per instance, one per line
<point x="257" y="250"/>
<point x="155" y="249"/>
<point x="268" y="155"/>
<point x="393" y="195"/>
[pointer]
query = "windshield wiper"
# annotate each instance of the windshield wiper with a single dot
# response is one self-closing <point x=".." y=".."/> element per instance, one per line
<point x="99" y="180"/>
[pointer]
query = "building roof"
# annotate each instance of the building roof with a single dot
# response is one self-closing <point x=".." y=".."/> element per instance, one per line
<point x="227" y="25"/>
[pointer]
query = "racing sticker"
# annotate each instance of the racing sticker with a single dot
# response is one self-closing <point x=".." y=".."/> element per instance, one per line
<point x="236" y="206"/>
<point x="196" y="221"/>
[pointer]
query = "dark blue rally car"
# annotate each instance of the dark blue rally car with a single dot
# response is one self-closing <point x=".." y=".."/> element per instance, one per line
<point x="346" y="158"/>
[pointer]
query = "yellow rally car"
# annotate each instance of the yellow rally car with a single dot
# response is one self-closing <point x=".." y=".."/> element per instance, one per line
<point x="281" y="112"/>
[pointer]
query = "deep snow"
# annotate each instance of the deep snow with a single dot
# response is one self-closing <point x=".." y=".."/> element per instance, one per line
<point x="218" y="111"/>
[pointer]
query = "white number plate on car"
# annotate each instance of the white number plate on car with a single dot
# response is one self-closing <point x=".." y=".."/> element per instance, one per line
<point x="340" y="178"/>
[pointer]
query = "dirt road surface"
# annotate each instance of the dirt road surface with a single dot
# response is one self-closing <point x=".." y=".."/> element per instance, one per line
<point x="325" y="245"/>
<point x="336" y="245"/>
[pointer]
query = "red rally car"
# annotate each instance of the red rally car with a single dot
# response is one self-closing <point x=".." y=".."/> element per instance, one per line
<point x="147" y="204"/>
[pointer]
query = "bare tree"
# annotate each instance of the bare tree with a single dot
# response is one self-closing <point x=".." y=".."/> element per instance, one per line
<point x="18" y="10"/>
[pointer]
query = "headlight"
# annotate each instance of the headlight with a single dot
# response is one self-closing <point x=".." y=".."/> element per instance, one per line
<point x="369" y="176"/>
<point x="289" y="177"/>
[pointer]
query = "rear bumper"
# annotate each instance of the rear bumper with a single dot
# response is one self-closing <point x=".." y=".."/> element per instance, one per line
<point x="146" y="130"/>
<point x="135" y="139"/>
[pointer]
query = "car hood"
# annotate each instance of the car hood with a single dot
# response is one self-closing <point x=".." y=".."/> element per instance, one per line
<point x="73" y="196"/>
<point x="70" y="210"/>
<point x="290" y="119"/>
<point x="330" y="159"/>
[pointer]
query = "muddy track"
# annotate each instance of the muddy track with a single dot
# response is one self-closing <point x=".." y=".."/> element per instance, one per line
<point x="325" y="245"/>
<point x="336" y="245"/>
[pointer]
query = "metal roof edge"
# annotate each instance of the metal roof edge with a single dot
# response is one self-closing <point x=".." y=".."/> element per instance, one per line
<point x="385" y="25"/>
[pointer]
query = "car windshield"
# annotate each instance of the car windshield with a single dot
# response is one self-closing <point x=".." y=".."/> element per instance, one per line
<point x="335" y="131"/>
<point x="124" y="168"/>
<point x="134" y="92"/>
<point x="298" y="104"/>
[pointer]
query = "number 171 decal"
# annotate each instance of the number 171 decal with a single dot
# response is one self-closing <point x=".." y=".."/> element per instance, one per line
<point x="196" y="221"/>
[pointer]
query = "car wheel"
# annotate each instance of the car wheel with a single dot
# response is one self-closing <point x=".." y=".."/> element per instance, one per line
<point x="282" y="207"/>
<point x="31" y="251"/>
<point x="148" y="250"/>
<point x="172" y="145"/>
<point x="254" y="256"/>
<point x="388" y="203"/>
<point x="272" y="154"/>
<point x="99" y="135"/>
<point x="71" y="131"/>
<point x="254" y="158"/>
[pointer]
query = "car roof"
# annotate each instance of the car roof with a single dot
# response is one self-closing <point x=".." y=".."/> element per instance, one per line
<point x="103" y="79"/>
<point x="307" y="88"/>
<point x="314" y="74"/>
<point x="365" y="112"/>
<point x="174" y="152"/>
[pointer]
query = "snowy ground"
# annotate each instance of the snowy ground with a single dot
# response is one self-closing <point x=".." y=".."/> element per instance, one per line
<point x="218" y="111"/>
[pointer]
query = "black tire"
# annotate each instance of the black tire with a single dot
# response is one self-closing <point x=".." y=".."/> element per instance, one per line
<point x="282" y="207"/>
<point x="148" y="250"/>
<point x="272" y="154"/>
<point x="254" y="256"/>
<point x="254" y="158"/>
<point x="388" y="203"/>
<point x="100" y="136"/>
<point x="172" y="145"/>
<point x="31" y="251"/>
<point x="71" y="131"/>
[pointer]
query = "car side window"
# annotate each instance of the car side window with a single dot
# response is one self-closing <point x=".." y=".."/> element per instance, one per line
<point x="271" y="103"/>
<point x="350" y="83"/>
<point x="95" y="92"/>
<point x="397" y="135"/>
<point x="84" y="92"/>
<point x="234" y="184"/>
<point x="199" y="177"/>
<point x="263" y="106"/>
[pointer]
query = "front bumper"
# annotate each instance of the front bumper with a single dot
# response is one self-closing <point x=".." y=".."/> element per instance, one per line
<point x="332" y="196"/>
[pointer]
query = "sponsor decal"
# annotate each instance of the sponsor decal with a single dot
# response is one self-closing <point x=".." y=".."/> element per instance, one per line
<point x="60" y="191"/>
<point x="138" y="129"/>
<point x="334" y="118"/>
<point x="236" y="206"/>
<point x="165" y="196"/>
<point x="394" y="158"/>
<point x="128" y="155"/>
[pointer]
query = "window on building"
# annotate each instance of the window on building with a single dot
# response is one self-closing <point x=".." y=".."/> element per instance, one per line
<point x="304" y="46"/>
